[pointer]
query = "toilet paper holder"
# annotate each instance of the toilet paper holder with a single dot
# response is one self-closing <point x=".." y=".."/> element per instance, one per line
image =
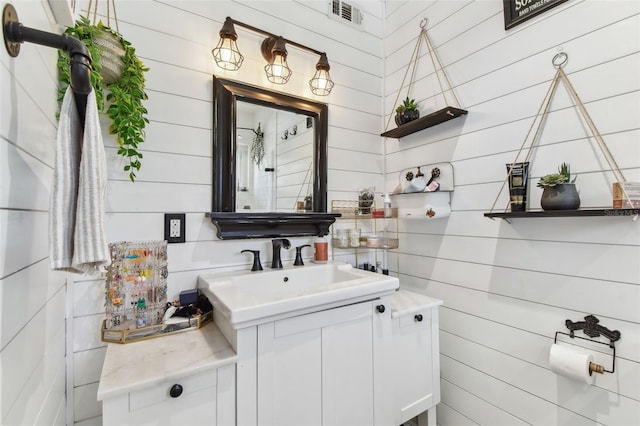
<point x="592" y="328"/>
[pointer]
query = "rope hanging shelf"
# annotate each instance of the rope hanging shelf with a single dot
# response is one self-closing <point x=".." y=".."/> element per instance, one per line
<point x="559" y="61"/>
<point x="440" y="116"/>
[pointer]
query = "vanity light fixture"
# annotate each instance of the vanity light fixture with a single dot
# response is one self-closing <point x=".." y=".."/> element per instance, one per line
<point x="321" y="83"/>
<point x="228" y="57"/>
<point x="275" y="52"/>
<point x="226" y="53"/>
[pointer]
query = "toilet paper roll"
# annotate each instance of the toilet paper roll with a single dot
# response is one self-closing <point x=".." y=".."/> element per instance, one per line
<point x="571" y="362"/>
<point x="426" y="212"/>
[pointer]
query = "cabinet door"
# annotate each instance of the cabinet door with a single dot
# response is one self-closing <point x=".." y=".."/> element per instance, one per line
<point x="316" y="369"/>
<point x="416" y="370"/>
<point x="289" y="381"/>
<point x="347" y="372"/>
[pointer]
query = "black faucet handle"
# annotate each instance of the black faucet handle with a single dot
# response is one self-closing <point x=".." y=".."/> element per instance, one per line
<point x="298" y="261"/>
<point x="257" y="266"/>
<point x="281" y="242"/>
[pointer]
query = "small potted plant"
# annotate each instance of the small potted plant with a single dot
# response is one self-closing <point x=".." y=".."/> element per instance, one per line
<point x="407" y="111"/>
<point x="559" y="190"/>
<point x="307" y="203"/>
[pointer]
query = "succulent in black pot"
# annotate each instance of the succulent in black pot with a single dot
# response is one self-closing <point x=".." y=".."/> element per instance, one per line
<point x="559" y="190"/>
<point x="407" y="112"/>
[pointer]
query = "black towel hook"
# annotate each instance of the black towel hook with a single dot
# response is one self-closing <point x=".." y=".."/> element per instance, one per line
<point x="15" y="33"/>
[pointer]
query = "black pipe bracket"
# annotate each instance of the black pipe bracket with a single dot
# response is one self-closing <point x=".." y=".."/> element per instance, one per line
<point x="9" y="15"/>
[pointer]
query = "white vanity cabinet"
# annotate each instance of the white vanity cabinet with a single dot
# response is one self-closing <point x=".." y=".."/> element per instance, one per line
<point x="318" y="369"/>
<point x="327" y="345"/>
<point x="185" y="378"/>
<point x="369" y="363"/>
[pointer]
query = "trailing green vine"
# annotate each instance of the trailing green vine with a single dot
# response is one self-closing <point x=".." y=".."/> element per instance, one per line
<point x="124" y="97"/>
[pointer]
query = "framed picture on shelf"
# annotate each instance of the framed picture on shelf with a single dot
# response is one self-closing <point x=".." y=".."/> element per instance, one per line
<point x="518" y="11"/>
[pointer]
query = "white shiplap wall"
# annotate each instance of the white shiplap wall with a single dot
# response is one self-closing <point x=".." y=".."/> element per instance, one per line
<point x="174" y="39"/>
<point x="32" y="298"/>
<point x="508" y="287"/>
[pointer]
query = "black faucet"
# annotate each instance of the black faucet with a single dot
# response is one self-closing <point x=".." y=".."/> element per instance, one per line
<point x="276" y="262"/>
<point x="298" y="261"/>
<point x="257" y="266"/>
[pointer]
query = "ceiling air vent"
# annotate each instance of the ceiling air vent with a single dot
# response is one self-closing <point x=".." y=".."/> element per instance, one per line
<point x="345" y="12"/>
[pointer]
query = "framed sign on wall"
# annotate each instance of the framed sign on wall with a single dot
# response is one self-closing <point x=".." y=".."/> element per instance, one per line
<point x="518" y="11"/>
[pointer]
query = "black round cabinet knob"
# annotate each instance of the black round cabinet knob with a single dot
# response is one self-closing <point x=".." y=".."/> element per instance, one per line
<point x="418" y="317"/>
<point x="380" y="308"/>
<point x="176" y="390"/>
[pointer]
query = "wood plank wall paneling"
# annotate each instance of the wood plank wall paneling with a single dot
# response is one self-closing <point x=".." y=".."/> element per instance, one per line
<point x="174" y="39"/>
<point x="32" y="322"/>
<point x="507" y="288"/>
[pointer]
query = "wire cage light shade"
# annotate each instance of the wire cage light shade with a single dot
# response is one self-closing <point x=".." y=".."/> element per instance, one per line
<point x="228" y="57"/>
<point x="278" y="71"/>
<point x="226" y="53"/>
<point x="321" y="83"/>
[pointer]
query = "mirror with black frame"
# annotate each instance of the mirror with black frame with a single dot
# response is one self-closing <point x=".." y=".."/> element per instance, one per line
<point x="229" y="97"/>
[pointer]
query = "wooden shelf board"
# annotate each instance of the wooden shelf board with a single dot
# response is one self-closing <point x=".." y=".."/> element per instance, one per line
<point x="433" y="119"/>
<point x="566" y="213"/>
<point x="419" y="192"/>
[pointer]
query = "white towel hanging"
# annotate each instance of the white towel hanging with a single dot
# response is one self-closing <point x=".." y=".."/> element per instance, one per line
<point x="77" y="239"/>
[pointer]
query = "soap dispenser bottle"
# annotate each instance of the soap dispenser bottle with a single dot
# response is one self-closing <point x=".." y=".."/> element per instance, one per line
<point x="321" y="250"/>
<point x="387" y="205"/>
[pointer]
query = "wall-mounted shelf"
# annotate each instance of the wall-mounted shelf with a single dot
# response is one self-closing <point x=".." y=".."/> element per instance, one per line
<point x="566" y="213"/>
<point x="421" y="192"/>
<point x="433" y="119"/>
<point x="559" y="61"/>
<point x="347" y="211"/>
<point x="232" y="225"/>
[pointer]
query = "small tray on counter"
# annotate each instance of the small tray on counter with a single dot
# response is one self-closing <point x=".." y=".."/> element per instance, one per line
<point x="129" y="333"/>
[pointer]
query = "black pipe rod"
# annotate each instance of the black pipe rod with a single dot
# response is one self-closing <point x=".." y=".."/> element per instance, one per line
<point x="80" y="62"/>
<point x="19" y="33"/>
<point x="258" y="30"/>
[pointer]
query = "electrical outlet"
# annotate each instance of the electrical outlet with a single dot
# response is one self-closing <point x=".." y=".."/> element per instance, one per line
<point x="174" y="227"/>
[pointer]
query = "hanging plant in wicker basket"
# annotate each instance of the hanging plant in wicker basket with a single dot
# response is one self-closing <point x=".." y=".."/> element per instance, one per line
<point x="111" y="57"/>
<point x="118" y="72"/>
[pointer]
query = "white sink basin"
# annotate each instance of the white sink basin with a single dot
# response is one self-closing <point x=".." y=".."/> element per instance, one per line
<point x="250" y="297"/>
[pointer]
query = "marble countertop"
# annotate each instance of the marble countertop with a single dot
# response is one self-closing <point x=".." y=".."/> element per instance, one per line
<point x="406" y="302"/>
<point x="133" y="366"/>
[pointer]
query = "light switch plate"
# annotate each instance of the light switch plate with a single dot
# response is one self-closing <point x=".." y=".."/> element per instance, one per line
<point x="174" y="227"/>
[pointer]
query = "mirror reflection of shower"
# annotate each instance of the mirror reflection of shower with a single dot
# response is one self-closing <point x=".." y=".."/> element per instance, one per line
<point x="243" y="166"/>
<point x="269" y="178"/>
